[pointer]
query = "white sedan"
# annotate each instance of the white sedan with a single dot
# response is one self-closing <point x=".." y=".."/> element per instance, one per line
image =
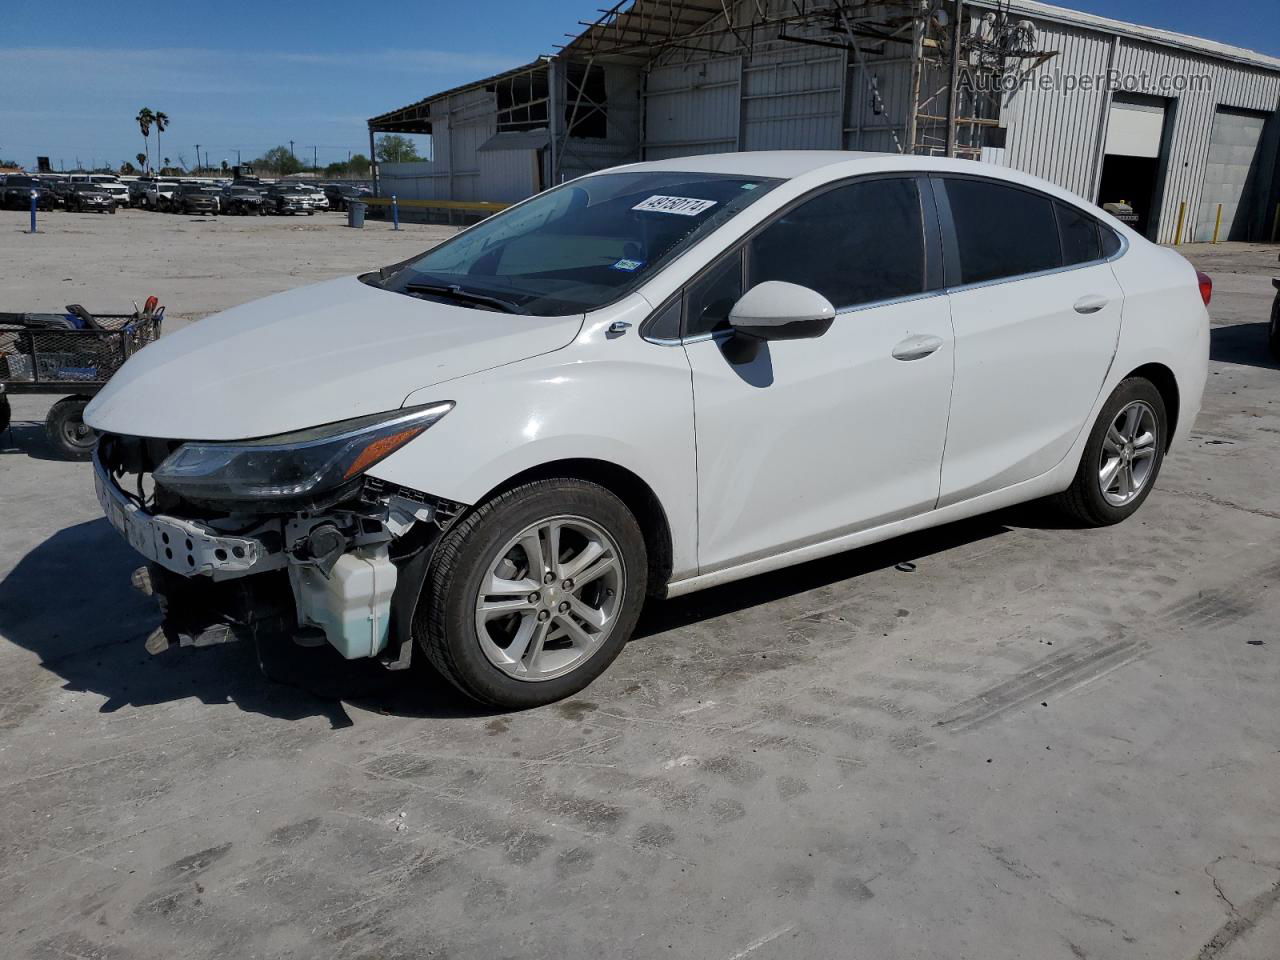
<point x="645" y="382"/>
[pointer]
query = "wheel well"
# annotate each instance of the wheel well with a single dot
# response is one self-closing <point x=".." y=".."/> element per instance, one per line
<point x="1162" y="379"/>
<point x="627" y="487"/>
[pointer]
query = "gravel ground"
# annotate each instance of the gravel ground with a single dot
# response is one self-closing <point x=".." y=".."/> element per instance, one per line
<point x="996" y="740"/>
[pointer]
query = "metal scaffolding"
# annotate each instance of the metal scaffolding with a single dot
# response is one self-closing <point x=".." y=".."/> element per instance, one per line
<point x="960" y="53"/>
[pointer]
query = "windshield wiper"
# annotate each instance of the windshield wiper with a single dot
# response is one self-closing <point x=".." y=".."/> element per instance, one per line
<point x="456" y="292"/>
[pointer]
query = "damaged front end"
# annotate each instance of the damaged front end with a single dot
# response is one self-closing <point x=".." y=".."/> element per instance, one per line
<point x="284" y="536"/>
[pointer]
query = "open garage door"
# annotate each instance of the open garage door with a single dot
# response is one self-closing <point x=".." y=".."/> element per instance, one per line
<point x="1231" y="177"/>
<point x="1133" y="162"/>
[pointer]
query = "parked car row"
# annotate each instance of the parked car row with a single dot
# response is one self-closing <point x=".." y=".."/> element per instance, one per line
<point x="105" y="192"/>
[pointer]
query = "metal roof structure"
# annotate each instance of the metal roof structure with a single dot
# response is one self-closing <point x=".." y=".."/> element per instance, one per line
<point x="416" y="117"/>
<point x="636" y="30"/>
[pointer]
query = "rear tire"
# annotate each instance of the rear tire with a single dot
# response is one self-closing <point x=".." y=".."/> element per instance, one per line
<point x="6" y="413"/>
<point x="482" y="563"/>
<point x="1122" y="457"/>
<point x="71" y="437"/>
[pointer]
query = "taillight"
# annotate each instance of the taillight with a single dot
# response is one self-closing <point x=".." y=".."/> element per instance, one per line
<point x="1206" y="286"/>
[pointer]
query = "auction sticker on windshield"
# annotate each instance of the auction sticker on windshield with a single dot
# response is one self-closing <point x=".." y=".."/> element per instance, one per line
<point x="684" y="206"/>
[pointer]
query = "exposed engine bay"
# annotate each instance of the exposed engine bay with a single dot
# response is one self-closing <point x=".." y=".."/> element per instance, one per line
<point x="345" y="567"/>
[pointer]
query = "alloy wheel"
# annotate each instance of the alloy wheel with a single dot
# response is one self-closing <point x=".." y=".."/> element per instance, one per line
<point x="550" y="598"/>
<point x="1128" y="454"/>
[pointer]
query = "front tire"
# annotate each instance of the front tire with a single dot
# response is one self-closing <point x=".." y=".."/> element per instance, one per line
<point x="534" y="593"/>
<point x="1122" y="457"/>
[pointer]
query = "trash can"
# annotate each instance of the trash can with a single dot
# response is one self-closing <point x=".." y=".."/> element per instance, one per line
<point x="355" y="213"/>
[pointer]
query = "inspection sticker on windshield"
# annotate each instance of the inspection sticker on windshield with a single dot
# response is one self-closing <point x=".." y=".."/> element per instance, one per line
<point x="630" y="266"/>
<point x="683" y="206"/>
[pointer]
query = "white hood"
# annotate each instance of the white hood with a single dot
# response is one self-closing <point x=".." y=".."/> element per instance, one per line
<point x="310" y="356"/>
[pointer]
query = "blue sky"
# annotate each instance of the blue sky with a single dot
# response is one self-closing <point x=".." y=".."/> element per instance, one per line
<point x="73" y="76"/>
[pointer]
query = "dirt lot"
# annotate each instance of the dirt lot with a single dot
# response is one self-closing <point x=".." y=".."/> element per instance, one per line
<point x="997" y="740"/>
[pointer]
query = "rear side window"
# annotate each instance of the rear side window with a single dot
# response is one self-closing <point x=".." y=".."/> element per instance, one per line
<point x="1078" y="232"/>
<point x="1111" y="242"/>
<point x="856" y="244"/>
<point x="1001" y="231"/>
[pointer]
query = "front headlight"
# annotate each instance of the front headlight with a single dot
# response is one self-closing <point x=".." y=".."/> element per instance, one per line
<point x="294" y="466"/>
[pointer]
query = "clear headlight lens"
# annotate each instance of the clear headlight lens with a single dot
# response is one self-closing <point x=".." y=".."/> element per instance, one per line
<point x="294" y="465"/>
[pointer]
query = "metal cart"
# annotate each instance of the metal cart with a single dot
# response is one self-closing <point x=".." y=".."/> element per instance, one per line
<point x="74" y="354"/>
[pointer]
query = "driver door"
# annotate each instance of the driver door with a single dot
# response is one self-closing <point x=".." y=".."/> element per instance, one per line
<point x="814" y="439"/>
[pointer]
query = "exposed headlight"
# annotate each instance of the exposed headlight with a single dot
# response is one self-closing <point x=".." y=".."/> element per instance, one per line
<point x="292" y="466"/>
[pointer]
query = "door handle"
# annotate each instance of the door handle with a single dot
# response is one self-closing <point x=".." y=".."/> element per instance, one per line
<point x="917" y="347"/>
<point x="1090" y="304"/>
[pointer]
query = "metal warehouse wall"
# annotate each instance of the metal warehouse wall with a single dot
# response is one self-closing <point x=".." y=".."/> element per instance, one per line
<point x="1055" y="135"/>
<point x="1233" y="85"/>
<point x="460" y="123"/>
<point x="579" y="155"/>
<point x="692" y="108"/>
<point x="785" y="97"/>
<point x="1061" y="136"/>
<point x="791" y="97"/>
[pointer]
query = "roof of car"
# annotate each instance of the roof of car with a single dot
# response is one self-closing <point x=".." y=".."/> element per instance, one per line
<point x="793" y="164"/>
<point x="782" y="164"/>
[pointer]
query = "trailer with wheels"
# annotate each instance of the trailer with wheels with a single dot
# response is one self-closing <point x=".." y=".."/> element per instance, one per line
<point x="74" y="354"/>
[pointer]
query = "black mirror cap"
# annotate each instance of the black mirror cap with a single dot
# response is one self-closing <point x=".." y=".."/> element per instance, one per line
<point x="796" y="330"/>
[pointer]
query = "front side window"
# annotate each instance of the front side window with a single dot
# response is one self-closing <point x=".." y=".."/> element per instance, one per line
<point x="1001" y="231"/>
<point x="859" y="243"/>
<point x="709" y="299"/>
<point x="581" y="245"/>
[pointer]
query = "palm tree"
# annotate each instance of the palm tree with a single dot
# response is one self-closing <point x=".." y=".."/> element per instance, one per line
<point x="161" y="120"/>
<point x="142" y="161"/>
<point x="145" y="118"/>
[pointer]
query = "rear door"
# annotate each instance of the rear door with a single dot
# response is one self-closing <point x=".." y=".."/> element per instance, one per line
<point x="1036" y="309"/>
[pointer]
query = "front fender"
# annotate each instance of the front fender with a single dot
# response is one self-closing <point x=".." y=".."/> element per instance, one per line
<point x="621" y="400"/>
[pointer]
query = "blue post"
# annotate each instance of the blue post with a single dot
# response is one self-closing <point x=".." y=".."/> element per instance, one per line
<point x="395" y="213"/>
<point x="34" y="200"/>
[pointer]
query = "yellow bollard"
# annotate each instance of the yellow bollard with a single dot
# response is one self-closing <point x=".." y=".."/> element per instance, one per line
<point x="1217" y="224"/>
<point x="1182" y="216"/>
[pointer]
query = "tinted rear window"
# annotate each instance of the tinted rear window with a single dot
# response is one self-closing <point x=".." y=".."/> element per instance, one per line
<point x="1002" y="231"/>
<point x="1079" y="234"/>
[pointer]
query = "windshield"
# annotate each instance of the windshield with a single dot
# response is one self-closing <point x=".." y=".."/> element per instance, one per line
<point x="582" y="245"/>
<point x="21" y="182"/>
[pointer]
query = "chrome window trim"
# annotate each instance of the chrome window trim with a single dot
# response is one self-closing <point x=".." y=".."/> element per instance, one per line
<point x="944" y="201"/>
<point x="1124" y="247"/>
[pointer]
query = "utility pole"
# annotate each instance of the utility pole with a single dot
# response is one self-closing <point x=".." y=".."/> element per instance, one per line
<point x="291" y="153"/>
<point x="953" y="89"/>
<point x="237" y="156"/>
<point x="315" y="162"/>
<point x="197" y="170"/>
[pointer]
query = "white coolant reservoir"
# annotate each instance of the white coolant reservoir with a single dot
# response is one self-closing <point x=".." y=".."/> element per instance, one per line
<point x="353" y="604"/>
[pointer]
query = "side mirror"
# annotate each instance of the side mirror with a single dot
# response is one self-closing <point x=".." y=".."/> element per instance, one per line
<point x="775" y="310"/>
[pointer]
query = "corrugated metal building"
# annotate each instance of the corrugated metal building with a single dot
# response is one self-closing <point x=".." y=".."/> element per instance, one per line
<point x="1112" y="111"/>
